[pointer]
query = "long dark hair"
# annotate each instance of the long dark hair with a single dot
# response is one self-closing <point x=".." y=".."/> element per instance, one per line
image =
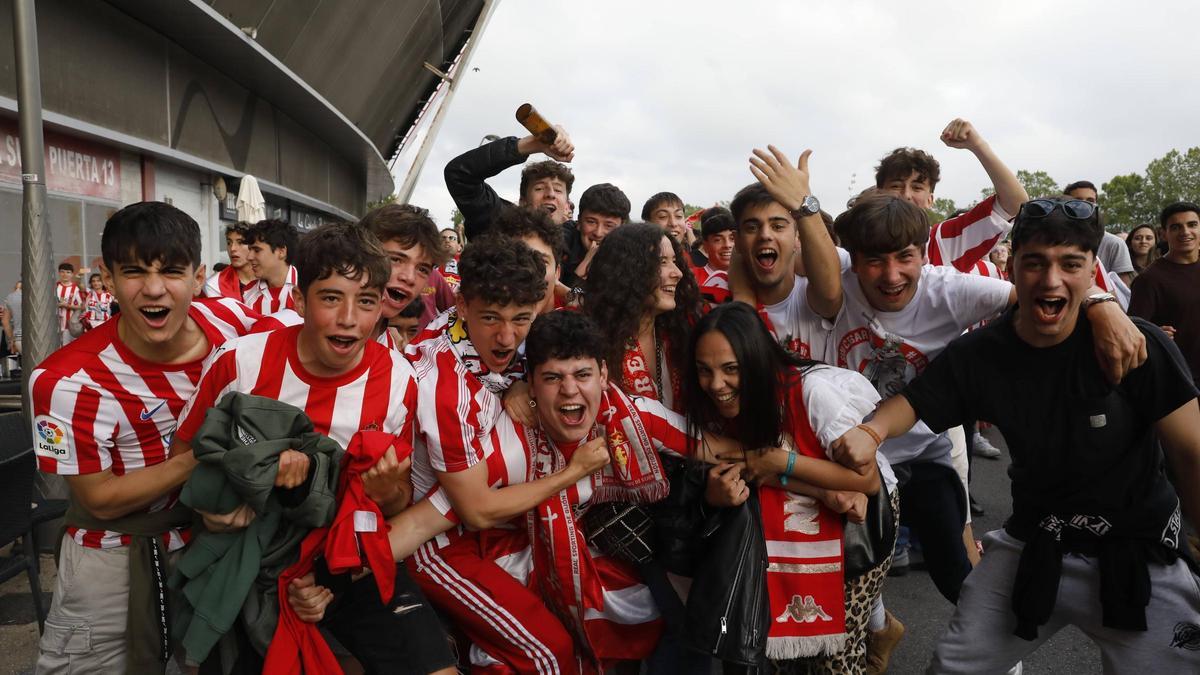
<point x="1151" y="255"/>
<point x="620" y="285"/>
<point x="765" y="370"/>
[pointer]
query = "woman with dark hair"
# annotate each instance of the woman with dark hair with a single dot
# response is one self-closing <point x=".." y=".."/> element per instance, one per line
<point x="741" y="383"/>
<point x="641" y="292"/>
<point x="1143" y="247"/>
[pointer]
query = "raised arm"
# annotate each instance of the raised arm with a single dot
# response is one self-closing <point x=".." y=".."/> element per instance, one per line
<point x="789" y="185"/>
<point x="1010" y="194"/>
<point x="466" y="174"/>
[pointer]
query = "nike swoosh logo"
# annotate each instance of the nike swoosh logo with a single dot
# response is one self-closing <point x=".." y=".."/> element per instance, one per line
<point x="147" y="415"/>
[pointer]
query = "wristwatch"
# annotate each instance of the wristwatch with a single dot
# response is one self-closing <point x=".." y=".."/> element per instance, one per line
<point x="809" y="207"/>
<point x="1097" y="298"/>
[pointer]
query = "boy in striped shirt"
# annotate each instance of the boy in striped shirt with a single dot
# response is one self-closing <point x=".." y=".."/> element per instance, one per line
<point x="238" y="278"/>
<point x="69" y="297"/>
<point x="345" y="381"/>
<point x="105" y="408"/>
<point x="270" y="248"/>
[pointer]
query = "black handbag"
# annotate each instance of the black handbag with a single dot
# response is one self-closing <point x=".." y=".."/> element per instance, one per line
<point x="621" y="530"/>
<point x="869" y="543"/>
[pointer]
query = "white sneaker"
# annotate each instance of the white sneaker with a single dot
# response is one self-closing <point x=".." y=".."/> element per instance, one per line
<point x="984" y="447"/>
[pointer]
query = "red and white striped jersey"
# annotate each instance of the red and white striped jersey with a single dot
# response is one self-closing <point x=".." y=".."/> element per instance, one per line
<point x="98" y="406"/>
<point x="986" y="268"/>
<point x="68" y="293"/>
<point x="266" y="300"/>
<point x="961" y="241"/>
<point x="508" y="452"/>
<point x="456" y="408"/>
<point x="97" y="308"/>
<point x="378" y="394"/>
<point x="284" y="318"/>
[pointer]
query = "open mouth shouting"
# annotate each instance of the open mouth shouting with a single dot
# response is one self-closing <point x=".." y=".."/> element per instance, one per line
<point x="502" y="356"/>
<point x="766" y="258"/>
<point x="549" y="207"/>
<point x="398" y="296"/>
<point x="1048" y="309"/>
<point x="155" y="315"/>
<point x="342" y="344"/>
<point x="572" y="414"/>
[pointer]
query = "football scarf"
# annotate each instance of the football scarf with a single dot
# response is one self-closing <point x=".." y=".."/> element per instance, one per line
<point x="805" y="575"/>
<point x="563" y="568"/>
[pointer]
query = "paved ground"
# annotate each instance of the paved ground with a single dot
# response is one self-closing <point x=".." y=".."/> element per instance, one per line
<point x="912" y="598"/>
<point x="924" y="612"/>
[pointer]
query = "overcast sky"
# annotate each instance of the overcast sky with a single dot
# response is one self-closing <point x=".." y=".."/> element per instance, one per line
<point x="674" y="95"/>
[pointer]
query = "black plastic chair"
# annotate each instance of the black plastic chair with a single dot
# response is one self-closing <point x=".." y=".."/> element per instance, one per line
<point x="20" y="510"/>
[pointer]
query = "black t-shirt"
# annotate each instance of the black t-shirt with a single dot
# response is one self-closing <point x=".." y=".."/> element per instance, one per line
<point x="1078" y="444"/>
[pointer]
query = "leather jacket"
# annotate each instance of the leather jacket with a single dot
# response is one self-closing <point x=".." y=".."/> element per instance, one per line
<point x="728" y="612"/>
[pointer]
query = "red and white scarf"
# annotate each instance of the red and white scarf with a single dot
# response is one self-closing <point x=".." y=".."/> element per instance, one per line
<point x="805" y="572"/>
<point x="563" y="568"/>
<point x="229" y="283"/>
<point x="639" y="379"/>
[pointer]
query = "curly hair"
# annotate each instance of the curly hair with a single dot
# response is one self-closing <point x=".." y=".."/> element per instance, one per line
<point x="563" y="335"/>
<point x="502" y="271"/>
<point x="520" y="222"/>
<point x="902" y="162"/>
<point x="549" y="168"/>
<point x="619" y="291"/>
<point x="344" y="248"/>
<point x="408" y="225"/>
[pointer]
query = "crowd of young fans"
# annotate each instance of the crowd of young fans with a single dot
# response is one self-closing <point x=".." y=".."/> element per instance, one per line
<point x="579" y="444"/>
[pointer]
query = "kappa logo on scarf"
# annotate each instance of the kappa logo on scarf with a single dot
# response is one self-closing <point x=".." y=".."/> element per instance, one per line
<point x="803" y="609"/>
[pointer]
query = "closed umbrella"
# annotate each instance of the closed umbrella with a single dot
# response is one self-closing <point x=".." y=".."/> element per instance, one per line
<point x="251" y="207"/>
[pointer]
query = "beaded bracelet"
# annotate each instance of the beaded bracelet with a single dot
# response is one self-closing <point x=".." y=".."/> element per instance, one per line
<point x="783" y="477"/>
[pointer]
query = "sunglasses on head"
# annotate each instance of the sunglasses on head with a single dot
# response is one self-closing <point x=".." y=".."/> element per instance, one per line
<point x="1075" y="209"/>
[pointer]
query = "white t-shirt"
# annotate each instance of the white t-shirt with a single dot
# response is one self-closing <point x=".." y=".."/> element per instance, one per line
<point x="891" y="348"/>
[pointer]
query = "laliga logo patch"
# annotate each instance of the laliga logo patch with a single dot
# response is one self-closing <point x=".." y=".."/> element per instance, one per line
<point x="51" y="440"/>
